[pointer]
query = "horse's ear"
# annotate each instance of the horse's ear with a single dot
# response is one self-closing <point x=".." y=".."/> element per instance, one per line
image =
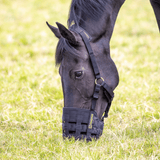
<point x="66" y="33"/>
<point x="54" y="30"/>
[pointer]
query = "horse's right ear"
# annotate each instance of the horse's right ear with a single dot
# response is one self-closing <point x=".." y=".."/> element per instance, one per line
<point x="54" y="30"/>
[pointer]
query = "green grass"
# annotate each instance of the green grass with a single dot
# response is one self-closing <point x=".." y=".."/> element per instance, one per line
<point x="31" y="98"/>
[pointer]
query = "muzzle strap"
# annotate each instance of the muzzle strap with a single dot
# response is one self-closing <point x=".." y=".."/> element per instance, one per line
<point x="95" y="96"/>
<point x="108" y="91"/>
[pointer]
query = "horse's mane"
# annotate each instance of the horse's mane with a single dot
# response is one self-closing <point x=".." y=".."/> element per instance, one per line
<point x="81" y="10"/>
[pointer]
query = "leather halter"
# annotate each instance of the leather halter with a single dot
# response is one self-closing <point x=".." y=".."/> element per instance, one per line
<point x="106" y="89"/>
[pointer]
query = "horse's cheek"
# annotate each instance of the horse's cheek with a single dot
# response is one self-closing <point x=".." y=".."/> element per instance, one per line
<point x="90" y="88"/>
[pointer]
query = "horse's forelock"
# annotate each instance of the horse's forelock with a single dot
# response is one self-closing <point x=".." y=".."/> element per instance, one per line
<point x="59" y="51"/>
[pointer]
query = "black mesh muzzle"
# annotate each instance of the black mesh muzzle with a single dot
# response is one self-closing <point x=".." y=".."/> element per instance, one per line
<point x="81" y="124"/>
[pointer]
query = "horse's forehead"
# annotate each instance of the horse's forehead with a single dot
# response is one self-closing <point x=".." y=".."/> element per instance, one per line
<point x="75" y="63"/>
<point x="75" y="56"/>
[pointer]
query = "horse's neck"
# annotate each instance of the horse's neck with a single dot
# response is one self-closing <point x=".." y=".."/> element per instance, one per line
<point x="105" y="25"/>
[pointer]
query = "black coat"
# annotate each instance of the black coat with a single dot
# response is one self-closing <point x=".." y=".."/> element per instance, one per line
<point x="156" y="7"/>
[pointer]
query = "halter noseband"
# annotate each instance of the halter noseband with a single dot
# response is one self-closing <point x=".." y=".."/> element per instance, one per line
<point x="84" y="123"/>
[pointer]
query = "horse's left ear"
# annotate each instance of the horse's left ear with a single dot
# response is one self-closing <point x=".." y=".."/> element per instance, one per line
<point x="66" y="33"/>
<point x="54" y="30"/>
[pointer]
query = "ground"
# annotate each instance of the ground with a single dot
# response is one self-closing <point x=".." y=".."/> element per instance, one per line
<point x="31" y="98"/>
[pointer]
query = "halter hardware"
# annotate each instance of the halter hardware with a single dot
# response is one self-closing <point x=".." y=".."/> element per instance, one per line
<point x="96" y="80"/>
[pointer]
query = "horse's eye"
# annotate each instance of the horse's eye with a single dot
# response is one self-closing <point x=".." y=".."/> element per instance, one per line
<point x="78" y="74"/>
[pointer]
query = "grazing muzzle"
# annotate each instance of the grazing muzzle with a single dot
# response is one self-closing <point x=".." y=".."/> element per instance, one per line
<point x="84" y="123"/>
<point x="81" y="124"/>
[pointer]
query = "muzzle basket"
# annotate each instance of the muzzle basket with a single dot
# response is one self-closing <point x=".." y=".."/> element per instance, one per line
<point x="81" y="124"/>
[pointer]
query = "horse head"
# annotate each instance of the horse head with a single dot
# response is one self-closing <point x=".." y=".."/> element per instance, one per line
<point x="88" y="73"/>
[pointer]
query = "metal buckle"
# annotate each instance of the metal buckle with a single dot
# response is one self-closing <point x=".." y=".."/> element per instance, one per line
<point x="96" y="80"/>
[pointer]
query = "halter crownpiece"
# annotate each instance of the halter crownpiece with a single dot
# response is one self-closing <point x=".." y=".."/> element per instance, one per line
<point x="84" y="123"/>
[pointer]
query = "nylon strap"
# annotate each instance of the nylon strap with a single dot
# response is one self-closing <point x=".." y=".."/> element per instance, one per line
<point x="90" y="52"/>
<point x="107" y="90"/>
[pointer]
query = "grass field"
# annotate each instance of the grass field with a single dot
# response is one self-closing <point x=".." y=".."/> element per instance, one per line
<point x="31" y="98"/>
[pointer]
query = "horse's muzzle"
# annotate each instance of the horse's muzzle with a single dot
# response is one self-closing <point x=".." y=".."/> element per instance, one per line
<point x="81" y="124"/>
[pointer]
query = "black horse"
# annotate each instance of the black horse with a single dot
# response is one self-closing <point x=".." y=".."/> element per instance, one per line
<point x="83" y="52"/>
<point x="156" y="8"/>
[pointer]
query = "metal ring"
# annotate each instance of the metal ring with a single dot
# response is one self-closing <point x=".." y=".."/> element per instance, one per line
<point x="98" y="79"/>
